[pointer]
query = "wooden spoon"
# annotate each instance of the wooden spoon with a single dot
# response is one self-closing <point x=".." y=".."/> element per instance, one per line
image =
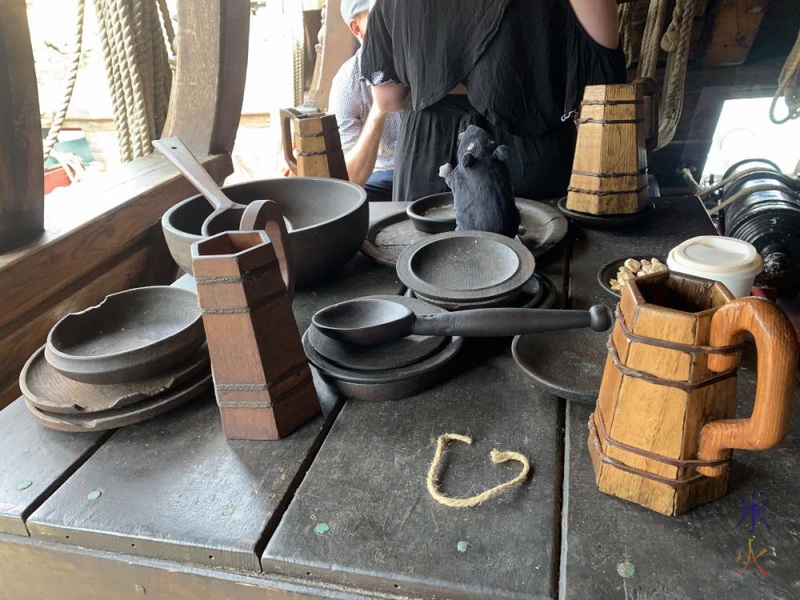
<point x="369" y="321"/>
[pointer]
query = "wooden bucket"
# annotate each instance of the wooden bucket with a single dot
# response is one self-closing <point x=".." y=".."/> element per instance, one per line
<point x="317" y="143"/>
<point x="662" y="432"/>
<point x="609" y="172"/>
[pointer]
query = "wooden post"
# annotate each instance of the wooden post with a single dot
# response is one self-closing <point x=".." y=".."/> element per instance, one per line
<point x="336" y="45"/>
<point x="206" y="101"/>
<point x="21" y="163"/>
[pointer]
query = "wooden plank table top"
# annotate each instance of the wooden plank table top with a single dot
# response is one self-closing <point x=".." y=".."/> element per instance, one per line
<point x="163" y="527"/>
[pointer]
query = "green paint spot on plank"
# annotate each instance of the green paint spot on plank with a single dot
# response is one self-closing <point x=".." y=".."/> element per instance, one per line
<point x="462" y="546"/>
<point x="94" y="495"/>
<point x="229" y="510"/>
<point x="24" y="485"/>
<point x="626" y="570"/>
<point x="322" y="529"/>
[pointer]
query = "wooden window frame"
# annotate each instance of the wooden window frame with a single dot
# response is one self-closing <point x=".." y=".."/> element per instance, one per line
<point x="63" y="244"/>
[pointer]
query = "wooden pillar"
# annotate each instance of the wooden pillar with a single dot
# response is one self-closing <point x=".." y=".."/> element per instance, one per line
<point x="336" y="45"/>
<point x="21" y="164"/>
<point x="206" y="101"/>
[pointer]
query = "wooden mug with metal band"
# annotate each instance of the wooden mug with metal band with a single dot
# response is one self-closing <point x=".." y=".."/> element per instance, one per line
<point x="316" y="142"/>
<point x="664" y="426"/>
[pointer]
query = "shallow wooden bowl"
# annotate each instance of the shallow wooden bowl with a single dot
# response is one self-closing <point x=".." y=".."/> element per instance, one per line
<point x="433" y="214"/>
<point x="131" y="335"/>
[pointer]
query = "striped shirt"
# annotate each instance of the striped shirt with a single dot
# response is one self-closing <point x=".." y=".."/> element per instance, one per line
<point x="351" y="101"/>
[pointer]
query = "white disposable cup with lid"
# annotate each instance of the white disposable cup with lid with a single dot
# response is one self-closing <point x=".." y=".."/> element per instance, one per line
<point x="734" y="263"/>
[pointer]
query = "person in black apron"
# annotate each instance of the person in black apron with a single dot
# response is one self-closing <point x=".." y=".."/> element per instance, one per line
<point x="516" y="68"/>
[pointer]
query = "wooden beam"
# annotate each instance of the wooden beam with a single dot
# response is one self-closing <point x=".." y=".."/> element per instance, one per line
<point x="206" y="100"/>
<point x="21" y="165"/>
<point x="734" y="28"/>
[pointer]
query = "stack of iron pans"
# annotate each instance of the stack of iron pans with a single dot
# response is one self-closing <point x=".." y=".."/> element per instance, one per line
<point x="388" y="371"/>
<point x="468" y="269"/>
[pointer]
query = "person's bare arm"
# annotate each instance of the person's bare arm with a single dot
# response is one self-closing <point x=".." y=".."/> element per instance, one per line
<point x="599" y="19"/>
<point x="360" y="159"/>
<point x="391" y="97"/>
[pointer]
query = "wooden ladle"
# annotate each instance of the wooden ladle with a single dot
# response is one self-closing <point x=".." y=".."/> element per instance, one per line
<point x="181" y="157"/>
<point x="368" y="321"/>
<point x="227" y="214"/>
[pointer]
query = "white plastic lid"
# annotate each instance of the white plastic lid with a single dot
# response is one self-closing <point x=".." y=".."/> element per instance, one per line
<point x="716" y="255"/>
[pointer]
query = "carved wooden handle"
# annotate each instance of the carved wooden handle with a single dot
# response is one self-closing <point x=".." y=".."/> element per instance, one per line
<point x="776" y="344"/>
<point x="266" y="215"/>
<point x="287" y="116"/>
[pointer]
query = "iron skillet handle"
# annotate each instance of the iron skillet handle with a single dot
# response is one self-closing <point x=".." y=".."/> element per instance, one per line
<point x="287" y="116"/>
<point x="266" y="215"/>
<point x="493" y="322"/>
<point x="776" y="344"/>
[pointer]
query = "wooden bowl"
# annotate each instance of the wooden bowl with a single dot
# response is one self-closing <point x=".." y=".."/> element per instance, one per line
<point x="433" y="214"/>
<point x="131" y="335"/>
<point x="329" y="220"/>
<point x="609" y="271"/>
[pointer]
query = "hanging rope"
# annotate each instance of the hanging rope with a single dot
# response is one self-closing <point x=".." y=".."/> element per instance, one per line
<point x="676" y="42"/>
<point x="497" y="457"/>
<point x="625" y="17"/>
<point x="134" y="35"/>
<point x="72" y="74"/>
<point x="651" y="38"/>
<point x="788" y="86"/>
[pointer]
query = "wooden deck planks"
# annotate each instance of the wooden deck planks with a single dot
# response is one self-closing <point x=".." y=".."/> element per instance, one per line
<point x="34" y="461"/>
<point x="175" y="488"/>
<point x="387" y="535"/>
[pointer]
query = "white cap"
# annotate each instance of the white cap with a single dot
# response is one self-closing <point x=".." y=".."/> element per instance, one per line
<point x="729" y="260"/>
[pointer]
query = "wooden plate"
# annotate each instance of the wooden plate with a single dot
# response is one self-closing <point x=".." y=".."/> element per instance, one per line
<point x="609" y="271"/>
<point x="50" y="391"/>
<point x="544" y="227"/>
<point x="465" y="265"/>
<point x="113" y="419"/>
<point x="606" y="221"/>
<point x="392" y="355"/>
<point x="568" y="364"/>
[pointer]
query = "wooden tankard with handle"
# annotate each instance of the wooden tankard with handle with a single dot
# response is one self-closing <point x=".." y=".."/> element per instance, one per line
<point x="664" y="427"/>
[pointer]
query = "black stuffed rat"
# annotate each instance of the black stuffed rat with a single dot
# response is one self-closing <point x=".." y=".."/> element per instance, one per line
<point x="481" y="182"/>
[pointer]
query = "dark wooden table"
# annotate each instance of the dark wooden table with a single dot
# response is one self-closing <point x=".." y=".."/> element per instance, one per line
<point x="339" y="509"/>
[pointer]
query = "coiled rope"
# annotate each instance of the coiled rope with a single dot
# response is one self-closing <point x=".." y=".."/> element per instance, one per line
<point x="72" y="74"/>
<point x="135" y="35"/>
<point x="788" y="86"/>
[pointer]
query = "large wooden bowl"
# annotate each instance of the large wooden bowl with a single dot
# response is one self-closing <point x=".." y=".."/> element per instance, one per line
<point x="329" y="220"/>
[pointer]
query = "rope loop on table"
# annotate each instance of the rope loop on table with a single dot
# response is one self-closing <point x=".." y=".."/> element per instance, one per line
<point x="497" y="456"/>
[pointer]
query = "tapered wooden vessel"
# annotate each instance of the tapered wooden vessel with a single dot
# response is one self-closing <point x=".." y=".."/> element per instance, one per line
<point x="262" y="380"/>
<point x="316" y="142"/>
<point x="663" y="430"/>
<point x="609" y="172"/>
